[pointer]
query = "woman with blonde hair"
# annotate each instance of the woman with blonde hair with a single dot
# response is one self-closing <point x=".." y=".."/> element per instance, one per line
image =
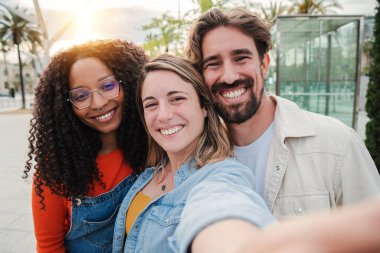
<point x="194" y="197"/>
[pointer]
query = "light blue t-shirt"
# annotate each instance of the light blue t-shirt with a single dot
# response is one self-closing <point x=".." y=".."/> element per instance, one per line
<point x="255" y="157"/>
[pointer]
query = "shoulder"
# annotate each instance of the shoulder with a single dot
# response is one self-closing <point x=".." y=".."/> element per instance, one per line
<point x="309" y="129"/>
<point x="226" y="164"/>
<point x="227" y="169"/>
<point x="331" y="132"/>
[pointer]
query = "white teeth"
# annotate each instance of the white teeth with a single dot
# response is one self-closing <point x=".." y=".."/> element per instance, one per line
<point x="171" y="130"/>
<point x="104" y="116"/>
<point x="234" y="94"/>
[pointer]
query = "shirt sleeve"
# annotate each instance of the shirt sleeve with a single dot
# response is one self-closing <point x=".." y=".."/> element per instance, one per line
<point x="357" y="171"/>
<point x="49" y="224"/>
<point x="226" y="193"/>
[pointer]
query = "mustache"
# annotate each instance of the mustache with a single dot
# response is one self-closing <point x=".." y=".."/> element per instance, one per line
<point x="248" y="83"/>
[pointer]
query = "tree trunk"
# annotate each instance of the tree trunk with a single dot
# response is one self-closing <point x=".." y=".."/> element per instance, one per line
<point x="6" y="69"/>
<point x="21" y="77"/>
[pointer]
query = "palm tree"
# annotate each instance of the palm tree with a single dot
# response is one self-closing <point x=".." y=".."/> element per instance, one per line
<point x="5" y="48"/>
<point x="16" y="29"/>
<point x="165" y="31"/>
<point x="273" y="10"/>
<point x="313" y="6"/>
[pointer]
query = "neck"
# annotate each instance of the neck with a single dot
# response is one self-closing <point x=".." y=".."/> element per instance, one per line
<point x="176" y="161"/>
<point x="109" y="142"/>
<point x="249" y="131"/>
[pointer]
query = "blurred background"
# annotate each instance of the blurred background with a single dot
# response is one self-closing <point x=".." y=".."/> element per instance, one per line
<point x="322" y="59"/>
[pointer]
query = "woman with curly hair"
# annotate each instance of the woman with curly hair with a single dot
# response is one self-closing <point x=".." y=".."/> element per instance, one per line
<point x="87" y="143"/>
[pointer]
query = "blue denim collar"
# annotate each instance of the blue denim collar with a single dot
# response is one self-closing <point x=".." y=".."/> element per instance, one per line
<point x="185" y="171"/>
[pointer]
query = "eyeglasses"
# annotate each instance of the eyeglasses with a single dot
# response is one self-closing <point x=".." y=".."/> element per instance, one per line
<point x="81" y="98"/>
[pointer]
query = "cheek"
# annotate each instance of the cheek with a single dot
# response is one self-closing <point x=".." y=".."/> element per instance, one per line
<point x="120" y="98"/>
<point x="148" y="118"/>
<point x="79" y="113"/>
<point x="209" y="78"/>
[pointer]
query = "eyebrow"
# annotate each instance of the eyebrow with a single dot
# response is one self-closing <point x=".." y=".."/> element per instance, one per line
<point x="105" y="77"/>
<point x="170" y="93"/>
<point x="98" y="81"/>
<point x="234" y="52"/>
<point x="241" y="51"/>
<point x="208" y="59"/>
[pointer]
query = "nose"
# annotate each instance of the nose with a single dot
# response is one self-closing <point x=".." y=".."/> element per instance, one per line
<point x="165" y="113"/>
<point x="229" y="73"/>
<point x="98" y="102"/>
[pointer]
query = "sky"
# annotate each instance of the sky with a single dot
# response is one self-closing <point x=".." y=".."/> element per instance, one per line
<point x="94" y="19"/>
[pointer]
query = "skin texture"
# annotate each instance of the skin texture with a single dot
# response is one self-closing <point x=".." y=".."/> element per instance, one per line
<point x="226" y="65"/>
<point x="352" y="229"/>
<point x="64" y="146"/>
<point x="173" y="114"/>
<point x="88" y="72"/>
<point x="175" y="120"/>
<point x="227" y="61"/>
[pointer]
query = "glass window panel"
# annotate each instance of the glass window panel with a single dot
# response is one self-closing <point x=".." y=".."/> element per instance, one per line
<point x="317" y="60"/>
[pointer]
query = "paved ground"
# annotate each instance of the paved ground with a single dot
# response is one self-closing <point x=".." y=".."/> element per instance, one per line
<point x="16" y="226"/>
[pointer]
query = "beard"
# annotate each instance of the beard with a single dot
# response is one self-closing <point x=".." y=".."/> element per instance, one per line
<point x="237" y="113"/>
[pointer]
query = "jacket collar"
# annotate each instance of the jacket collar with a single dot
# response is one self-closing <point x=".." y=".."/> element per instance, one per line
<point x="290" y="120"/>
<point x="185" y="171"/>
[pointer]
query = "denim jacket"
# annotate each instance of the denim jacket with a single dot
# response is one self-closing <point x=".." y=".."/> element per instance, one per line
<point x="217" y="191"/>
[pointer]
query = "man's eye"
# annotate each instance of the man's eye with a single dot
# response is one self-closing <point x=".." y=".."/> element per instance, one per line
<point x="211" y="64"/>
<point x="241" y="58"/>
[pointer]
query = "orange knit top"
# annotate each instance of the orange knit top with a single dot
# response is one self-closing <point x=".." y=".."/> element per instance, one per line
<point x="52" y="224"/>
<point x="139" y="202"/>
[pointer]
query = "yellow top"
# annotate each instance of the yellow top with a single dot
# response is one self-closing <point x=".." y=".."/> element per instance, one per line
<point x="139" y="202"/>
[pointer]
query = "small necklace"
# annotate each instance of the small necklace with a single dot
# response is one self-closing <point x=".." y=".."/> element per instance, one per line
<point x="162" y="167"/>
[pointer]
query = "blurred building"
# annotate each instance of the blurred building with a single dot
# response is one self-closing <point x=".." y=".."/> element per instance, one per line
<point x="10" y="77"/>
<point x="318" y="62"/>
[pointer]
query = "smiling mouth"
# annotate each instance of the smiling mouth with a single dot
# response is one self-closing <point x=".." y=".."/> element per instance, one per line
<point x="170" y="131"/>
<point x="105" y="117"/>
<point x="233" y="94"/>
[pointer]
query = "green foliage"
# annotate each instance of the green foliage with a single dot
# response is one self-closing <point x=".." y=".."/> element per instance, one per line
<point x="205" y="5"/>
<point x="373" y="95"/>
<point x="165" y="34"/>
<point x="273" y="10"/>
<point x="169" y="34"/>
<point x="313" y="6"/>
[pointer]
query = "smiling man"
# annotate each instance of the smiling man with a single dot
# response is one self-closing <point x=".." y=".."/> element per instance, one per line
<point x="302" y="161"/>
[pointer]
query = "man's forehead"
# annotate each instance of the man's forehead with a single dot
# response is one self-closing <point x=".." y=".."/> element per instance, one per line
<point x="226" y="41"/>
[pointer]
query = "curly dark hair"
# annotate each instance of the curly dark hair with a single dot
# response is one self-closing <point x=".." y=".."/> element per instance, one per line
<point x="64" y="149"/>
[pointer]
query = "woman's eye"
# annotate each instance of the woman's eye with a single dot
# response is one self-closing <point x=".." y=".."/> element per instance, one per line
<point x="177" y="99"/>
<point x="150" y="105"/>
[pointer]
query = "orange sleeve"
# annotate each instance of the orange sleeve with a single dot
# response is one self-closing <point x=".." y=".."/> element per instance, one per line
<point x="50" y="225"/>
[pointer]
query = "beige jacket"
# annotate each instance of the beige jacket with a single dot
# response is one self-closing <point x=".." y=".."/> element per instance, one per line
<point x="315" y="162"/>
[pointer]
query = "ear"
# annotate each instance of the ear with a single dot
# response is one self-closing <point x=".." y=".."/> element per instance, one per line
<point x="204" y="112"/>
<point x="265" y="65"/>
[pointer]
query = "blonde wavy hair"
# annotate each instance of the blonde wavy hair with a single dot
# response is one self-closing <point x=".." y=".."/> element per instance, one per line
<point x="214" y="144"/>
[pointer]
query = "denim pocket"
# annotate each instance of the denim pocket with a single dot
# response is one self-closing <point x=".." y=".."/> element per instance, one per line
<point x="166" y="215"/>
<point x="101" y="232"/>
